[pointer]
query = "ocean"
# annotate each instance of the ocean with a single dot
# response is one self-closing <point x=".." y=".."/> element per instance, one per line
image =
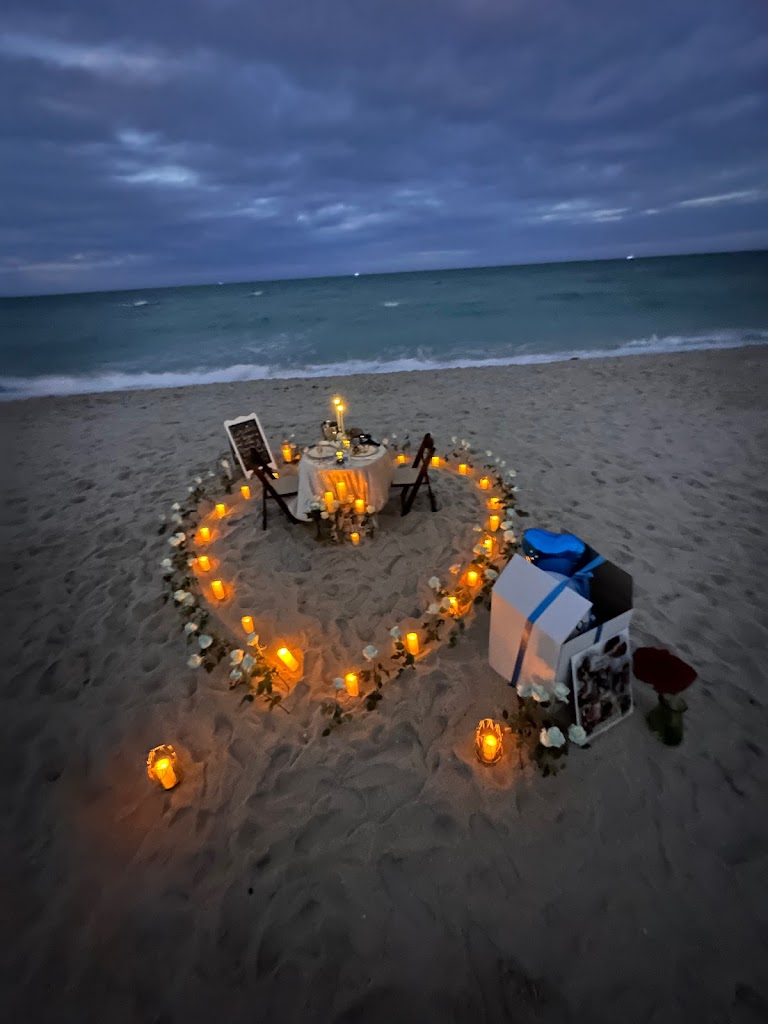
<point x="109" y="341"/>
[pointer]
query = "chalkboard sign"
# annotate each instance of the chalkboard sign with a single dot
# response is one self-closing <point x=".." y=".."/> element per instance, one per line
<point x="249" y="443"/>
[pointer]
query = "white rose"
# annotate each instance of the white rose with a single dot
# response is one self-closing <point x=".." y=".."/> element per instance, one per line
<point x="198" y="479"/>
<point x="236" y="674"/>
<point x="189" y="600"/>
<point x="395" y="632"/>
<point x="370" y="652"/>
<point x="455" y="569"/>
<point x="511" y="473"/>
<point x="166" y="563"/>
<point x="434" y="583"/>
<point x="434" y="609"/>
<point x="453" y="440"/>
<point x="577" y="735"/>
<point x="205" y="641"/>
<point x="176" y="539"/>
<point x="561" y="691"/>
<point x="191" y="627"/>
<point x="370" y="509"/>
<point x="539" y="693"/>
<point x="488" y="452"/>
<point x="252" y="639"/>
<point x="323" y="515"/>
<point x="551" y="737"/>
<point x="176" y="507"/>
<point x="195" y="661"/>
<point x="509" y="536"/>
<point x="179" y="595"/>
<point x="338" y="683"/>
<point x="491" y="574"/>
<point x="235" y="657"/>
<point x="524" y="689"/>
<point x="191" y="490"/>
<point x="247" y="663"/>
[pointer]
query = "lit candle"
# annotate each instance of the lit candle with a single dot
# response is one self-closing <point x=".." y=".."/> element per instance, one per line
<point x="247" y="623"/>
<point x="162" y="766"/>
<point x="341" y="490"/>
<point x="494" y="503"/>
<point x="203" y="563"/>
<point x="493" y="523"/>
<point x="329" y="498"/>
<point x="484" y="483"/>
<point x="351" y="683"/>
<point x="435" y="461"/>
<point x="204" y="534"/>
<point x="355" y="538"/>
<point x="221" y="510"/>
<point x="412" y="643"/>
<point x="245" y="490"/>
<point x="463" y="468"/>
<point x="454" y="605"/>
<point x="488" y="743"/>
<point x="287" y="452"/>
<point x="471" y="578"/>
<point x="218" y="589"/>
<point x="402" y="458"/>
<point x="287" y="659"/>
<point x="488" y="545"/>
<point x="360" y="506"/>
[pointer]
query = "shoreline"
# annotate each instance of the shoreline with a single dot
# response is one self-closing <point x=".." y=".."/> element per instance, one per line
<point x="381" y="866"/>
<point x="74" y="386"/>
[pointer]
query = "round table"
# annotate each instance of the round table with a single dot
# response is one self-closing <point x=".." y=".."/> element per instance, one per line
<point x="368" y="477"/>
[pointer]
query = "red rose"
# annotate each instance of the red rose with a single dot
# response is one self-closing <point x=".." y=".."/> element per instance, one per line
<point x="662" y="670"/>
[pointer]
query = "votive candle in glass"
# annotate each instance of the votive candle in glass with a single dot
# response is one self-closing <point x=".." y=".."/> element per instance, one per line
<point x="355" y="538"/>
<point x="494" y="503"/>
<point x="463" y="468"/>
<point x="162" y="766"/>
<point x="436" y="461"/>
<point x="247" y="623"/>
<point x="245" y="490"/>
<point x="360" y="506"/>
<point x="493" y="523"/>
<point x="203" y="563"/>
<point x="329" y="498"/>
<point x="412" y="643"/>
<point x="287" y="452"/>
<point x="221" y="510"/>
<point x="488" y="741"/>
<point x="352" y="684"/>
<point x="472" y="577"/>
<point x="402" y="458"/>
<point x="287" y="659"/>
<point x="204" y="534"/>
<point x="341" y="490"/>
<point x="484" y="483"/>
<point x="454" y="605"/>
<point x="218" y="590"/>
<point x="488" y="545"/>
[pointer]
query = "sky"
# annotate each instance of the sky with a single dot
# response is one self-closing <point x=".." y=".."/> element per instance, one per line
<point x="191" y="141"/>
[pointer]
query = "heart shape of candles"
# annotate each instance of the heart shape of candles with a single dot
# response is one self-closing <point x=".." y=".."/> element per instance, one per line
<point x="319" y="610"/>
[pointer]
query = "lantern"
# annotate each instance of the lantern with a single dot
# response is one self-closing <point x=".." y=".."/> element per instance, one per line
<point x="412" y="643"/>
<point x="245" y="490"/>
<point x="484" y="483"/>
<point x="221" y="510"/>
<point x="402" y="458"/>
<point x="472" y="578"/>
<point x="162" y="766"/>
<point x="352" y="684"/>
<point x="287" y="452"/>
<point x="435" y="460"/>
<point x="204" y="534"/>
<point x="360" y="506"/>
<point x="288" y="659"/>
<point x="488" y="743"/>
<point x="493" y="523"/>
<point x="341" y="491"/>
<point x="203" y="563"/>
<point x="463" y="468"/>
<point x="355" y="538"/>
<point x="247" y="623"/>
<point x="218" y="590"/>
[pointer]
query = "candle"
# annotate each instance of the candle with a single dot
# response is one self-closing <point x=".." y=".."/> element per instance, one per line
<point x="471" y="578"/>
<point x="328" y="498"/>
<point x="463" y="468"/>
<point x="221" y="510"/>
<point x="488" y="743"/>
<point x="484" y="483"/>
<point x="435" y="461"/>
<point x="245" y="490"/>
<point x="402" y="458"/>
<point x="287" y="452"/>
<point x="287" y="659"/>
<point x="494" y="503"/>
<point x="351" y="683"/>
<point x="341" y="490"/>
<point x="488" y="545"/>
<point x="247" y="623"/>
<point x="360" y="506"/>
<point x="204" y="534"/>
<point x="355" y="538"/>
<point x="218" y="589"/>
<point x="203" y="563"/>
<point x="454" y="604"/>
<point x="493" y="523"/>
<point x="162" y="766"/>
<point x="412" y="643"/>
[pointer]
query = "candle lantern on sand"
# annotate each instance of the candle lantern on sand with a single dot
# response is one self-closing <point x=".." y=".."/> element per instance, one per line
<point x="488" y="744"/>
<point x="352" y="684"/>
<point x="247" y="623"/>
<point x="163" y="766"/>
<point x="203" y="563"/>
<point x="204" y="534"/>
<point x="412" y="643"/>
<point x="360" y="506"/>
<point x="288" y="659"/>
<point x="218" y="590"/>
<point x="221" y="510"/>
<point x="402" y="458"/>
<point x="287" y="452"/>
<point x="484" y="483"/>
<point x="245" y="490"/>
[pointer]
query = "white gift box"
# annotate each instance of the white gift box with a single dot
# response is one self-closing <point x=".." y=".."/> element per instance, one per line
<point x="546" y="647"/>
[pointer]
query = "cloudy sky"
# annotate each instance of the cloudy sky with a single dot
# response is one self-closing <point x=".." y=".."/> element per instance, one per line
<point x="201" y="140"/>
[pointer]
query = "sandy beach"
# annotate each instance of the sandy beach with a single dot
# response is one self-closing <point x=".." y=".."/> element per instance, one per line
<point x="380" y="874"/>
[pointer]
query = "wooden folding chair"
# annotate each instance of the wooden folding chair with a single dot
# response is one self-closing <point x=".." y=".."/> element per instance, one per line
<point x="410" y="478"/>
<point x="278" y="488"/>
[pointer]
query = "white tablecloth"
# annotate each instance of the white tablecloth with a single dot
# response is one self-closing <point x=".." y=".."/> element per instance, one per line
<point x="369" y="478"/>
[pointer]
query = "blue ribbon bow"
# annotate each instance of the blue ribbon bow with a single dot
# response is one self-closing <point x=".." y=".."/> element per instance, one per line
<point x="539" y="610"/>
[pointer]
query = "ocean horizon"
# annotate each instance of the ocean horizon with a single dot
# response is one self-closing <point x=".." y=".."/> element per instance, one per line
<point x="380" y="323"/>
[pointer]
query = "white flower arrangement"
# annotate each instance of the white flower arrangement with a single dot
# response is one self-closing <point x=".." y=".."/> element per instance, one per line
<point x="551" y="737"/>
<point x="370" y="652"/>
<point x="577" y="735"/>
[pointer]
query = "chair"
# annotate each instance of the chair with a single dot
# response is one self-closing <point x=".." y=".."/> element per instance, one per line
<point x="410" y="478"/>
<point x="279" y="489"/>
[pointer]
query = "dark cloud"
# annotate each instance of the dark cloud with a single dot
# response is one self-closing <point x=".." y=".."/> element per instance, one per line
<point x="198" y="139"/>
